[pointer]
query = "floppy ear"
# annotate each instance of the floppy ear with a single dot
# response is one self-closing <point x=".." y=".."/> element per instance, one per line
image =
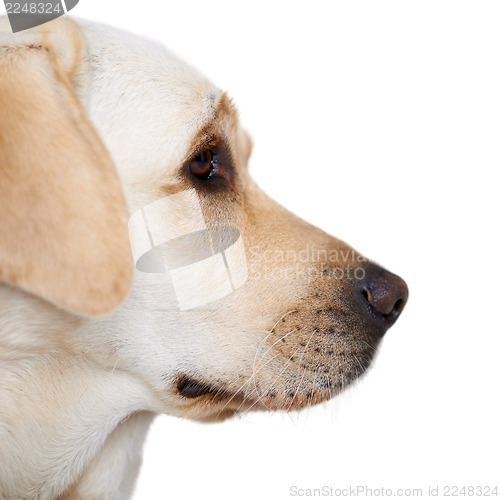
<point x="63" y="216"/>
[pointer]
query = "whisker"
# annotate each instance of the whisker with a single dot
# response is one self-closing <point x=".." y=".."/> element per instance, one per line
<point x="273" y="382"/>
<point x="254" y="370"/>
<point x="279" y="340"/>
<point x="304" y="371"/>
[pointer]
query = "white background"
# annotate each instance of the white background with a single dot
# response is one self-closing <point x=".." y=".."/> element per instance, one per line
<point x="378" y="121"/>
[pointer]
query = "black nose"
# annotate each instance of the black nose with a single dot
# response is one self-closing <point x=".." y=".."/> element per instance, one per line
<point x="384" y="295"/>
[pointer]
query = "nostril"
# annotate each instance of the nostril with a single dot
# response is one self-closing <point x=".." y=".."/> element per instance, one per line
<point x="398" y="306"/>
<point x="367" y="295"/>
<point x="385" y="293"/>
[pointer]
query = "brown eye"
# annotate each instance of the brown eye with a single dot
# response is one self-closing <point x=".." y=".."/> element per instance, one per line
<point x="202" y="165"/>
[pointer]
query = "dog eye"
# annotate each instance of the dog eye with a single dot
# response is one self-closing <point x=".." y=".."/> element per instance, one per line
<point x="202" y="165"/>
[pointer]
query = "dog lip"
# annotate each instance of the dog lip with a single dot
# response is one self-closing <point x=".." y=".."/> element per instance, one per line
<point x="191" y="389"/>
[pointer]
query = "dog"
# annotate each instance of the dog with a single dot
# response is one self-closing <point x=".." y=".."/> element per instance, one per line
<point x="97" y="125"/>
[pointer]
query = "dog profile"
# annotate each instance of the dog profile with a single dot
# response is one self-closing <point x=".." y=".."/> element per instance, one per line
<point x="95" y="125"/>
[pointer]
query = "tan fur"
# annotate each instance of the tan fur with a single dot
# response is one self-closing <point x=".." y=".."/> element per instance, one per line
<point x="62" y="212"/>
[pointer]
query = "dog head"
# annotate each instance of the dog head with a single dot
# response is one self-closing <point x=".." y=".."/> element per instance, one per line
<point x="246" y="305"/>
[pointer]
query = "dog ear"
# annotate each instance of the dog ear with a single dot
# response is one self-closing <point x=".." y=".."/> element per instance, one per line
<point x="63" y="216"/>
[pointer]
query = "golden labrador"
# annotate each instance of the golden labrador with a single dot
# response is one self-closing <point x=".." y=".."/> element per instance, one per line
<point x="143" y="271"/>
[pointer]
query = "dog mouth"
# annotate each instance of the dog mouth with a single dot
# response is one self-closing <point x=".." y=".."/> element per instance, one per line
<point x="296" y="392"/>
<point x="215" y="403"/>
<point x="191" y="389"/>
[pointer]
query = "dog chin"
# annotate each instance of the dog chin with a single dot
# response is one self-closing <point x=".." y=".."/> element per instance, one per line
<point x="206" y="403"/>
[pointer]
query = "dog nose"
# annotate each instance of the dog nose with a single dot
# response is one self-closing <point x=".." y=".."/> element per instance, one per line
<point x="385" y="295"/>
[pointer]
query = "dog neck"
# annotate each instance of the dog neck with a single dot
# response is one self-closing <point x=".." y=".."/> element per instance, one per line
<point x="67" y="426"/>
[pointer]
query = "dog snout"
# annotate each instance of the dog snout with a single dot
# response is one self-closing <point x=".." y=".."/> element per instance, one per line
<point x="384" y="295"/>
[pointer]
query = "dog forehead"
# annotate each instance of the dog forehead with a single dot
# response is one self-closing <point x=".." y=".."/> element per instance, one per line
<point x="146" y="103"/>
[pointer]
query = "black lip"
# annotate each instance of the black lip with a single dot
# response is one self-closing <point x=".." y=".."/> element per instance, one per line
<point x="192" y="389"/>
